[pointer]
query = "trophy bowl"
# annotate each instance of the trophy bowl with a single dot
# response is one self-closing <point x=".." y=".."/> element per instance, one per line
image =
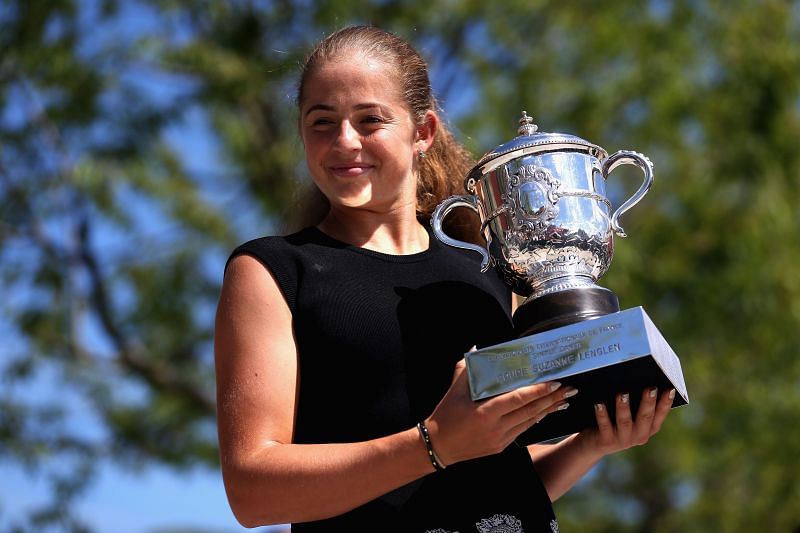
<point x="548" y="225"/>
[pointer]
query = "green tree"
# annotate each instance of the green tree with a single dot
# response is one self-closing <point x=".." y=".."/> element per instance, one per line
<point x="140" y="141"/>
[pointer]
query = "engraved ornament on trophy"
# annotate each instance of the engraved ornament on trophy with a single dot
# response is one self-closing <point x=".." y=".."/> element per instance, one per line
<point x="549" y="232"/>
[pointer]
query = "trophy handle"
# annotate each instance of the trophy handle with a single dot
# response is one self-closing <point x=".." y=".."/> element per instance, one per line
<point x="441" y="211"/>
<point x="626" y="157"/>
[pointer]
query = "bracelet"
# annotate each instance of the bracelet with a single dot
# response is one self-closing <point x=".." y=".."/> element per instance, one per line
<point x="426" y="438"/>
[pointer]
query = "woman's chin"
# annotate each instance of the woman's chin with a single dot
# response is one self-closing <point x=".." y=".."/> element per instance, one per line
<point x="354" y="195"/>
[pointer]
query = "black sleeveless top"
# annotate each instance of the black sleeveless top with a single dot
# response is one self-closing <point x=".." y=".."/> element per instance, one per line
<point x="378" y="337"/>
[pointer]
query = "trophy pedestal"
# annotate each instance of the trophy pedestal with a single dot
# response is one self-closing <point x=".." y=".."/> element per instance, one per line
<point x="562" y="308"/>
<point x="617" y="352"/>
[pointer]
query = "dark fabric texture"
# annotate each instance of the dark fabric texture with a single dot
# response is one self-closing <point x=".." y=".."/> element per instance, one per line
<point x="378" y="337"/>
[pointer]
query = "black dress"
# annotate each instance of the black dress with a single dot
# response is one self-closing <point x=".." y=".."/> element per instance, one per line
<point x="378" y="337"/>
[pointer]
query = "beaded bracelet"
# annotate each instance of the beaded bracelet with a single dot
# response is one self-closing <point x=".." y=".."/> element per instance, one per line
<point x="426" y="438"/>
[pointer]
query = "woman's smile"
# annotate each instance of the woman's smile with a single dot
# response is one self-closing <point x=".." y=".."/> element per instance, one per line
<point x="350" y="170"/>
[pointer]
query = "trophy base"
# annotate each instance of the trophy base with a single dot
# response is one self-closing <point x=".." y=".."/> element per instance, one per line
<point x="562" y="308"/>
<point x="601" y="357"/>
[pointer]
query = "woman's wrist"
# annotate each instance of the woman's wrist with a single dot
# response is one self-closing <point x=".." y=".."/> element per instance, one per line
<point x="586" y="445"/>
<point x="424" y="434"/>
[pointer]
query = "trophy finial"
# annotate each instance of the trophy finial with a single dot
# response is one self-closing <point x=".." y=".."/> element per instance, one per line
<point x="526" y="125"/>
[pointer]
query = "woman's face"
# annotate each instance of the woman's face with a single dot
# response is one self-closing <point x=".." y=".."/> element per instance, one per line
<point x="360" y="138"/>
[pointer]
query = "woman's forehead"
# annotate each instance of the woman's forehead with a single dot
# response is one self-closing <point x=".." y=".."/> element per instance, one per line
<point x="354" y="77"/>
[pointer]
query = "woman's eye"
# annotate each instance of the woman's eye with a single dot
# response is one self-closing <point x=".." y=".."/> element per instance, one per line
<point x="373" y="119"/>
<point x="322" y="124"/>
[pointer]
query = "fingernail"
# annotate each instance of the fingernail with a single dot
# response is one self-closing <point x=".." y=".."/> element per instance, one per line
<point x="554" y="386"/>
<point x="570" y="393"/>
<point x="599" y="407"/>
<point x="624" y="398"/>
<point x="653" y="392"/>
<point x="562" y="406"/>
<point x="672" y="394"/>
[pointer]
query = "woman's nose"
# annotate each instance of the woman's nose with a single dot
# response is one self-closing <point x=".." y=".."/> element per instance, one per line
<point x="348" y="138"/>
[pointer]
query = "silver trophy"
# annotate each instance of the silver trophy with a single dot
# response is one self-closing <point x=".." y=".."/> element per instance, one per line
<point x="549" y="230"/>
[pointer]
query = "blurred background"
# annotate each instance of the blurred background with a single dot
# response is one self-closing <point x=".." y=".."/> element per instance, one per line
<point x="140" y="141"/>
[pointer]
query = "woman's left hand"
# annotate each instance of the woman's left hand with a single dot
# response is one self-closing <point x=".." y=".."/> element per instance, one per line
<point x="610" y="438"/>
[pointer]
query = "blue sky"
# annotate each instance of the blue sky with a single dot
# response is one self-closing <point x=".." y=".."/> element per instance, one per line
<point x="123" y="502"/>
<point x="155" y="499"/>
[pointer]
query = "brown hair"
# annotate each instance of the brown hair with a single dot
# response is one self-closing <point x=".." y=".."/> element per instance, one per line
<point x="446" y="163"/>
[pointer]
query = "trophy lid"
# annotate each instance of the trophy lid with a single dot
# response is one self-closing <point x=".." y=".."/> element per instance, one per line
<point x="531" y="141"/>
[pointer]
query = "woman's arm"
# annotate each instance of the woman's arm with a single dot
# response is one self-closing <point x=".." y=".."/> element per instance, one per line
<point x="269" y="480"/>
<point x="561" y="465"/>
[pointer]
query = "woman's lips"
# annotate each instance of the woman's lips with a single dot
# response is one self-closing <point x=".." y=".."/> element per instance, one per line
<point x="350" y="169"/>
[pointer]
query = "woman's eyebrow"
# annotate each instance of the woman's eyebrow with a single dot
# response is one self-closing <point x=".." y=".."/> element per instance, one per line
<point x="319" y="107"/>
<point x="327" y="107"/>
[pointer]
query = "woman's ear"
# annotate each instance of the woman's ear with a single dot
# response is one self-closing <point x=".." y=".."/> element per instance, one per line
<point x="426" y="131"/>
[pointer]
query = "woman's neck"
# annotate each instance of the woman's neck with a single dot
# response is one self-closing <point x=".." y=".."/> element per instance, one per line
<point x="394" y="234"/>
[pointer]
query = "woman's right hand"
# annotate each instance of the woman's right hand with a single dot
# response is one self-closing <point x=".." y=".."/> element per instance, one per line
<point x="463" y="429"/>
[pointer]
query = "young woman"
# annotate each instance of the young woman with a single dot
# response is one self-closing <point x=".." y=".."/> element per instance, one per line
<point x="343" y="402"/>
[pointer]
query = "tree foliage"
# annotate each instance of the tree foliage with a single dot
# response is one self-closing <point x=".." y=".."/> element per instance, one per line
<point x="140" y="141"/>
